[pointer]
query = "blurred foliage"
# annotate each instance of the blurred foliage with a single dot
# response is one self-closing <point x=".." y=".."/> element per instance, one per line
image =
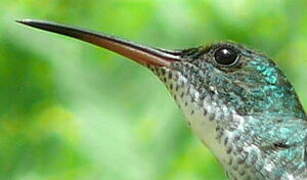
<point x="73" y="111"/>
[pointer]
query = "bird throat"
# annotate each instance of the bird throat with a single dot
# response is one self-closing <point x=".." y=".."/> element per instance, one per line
<point x="202" y="110"/>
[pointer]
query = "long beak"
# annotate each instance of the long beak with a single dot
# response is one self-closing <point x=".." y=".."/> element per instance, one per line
<point x="141" y="54"/>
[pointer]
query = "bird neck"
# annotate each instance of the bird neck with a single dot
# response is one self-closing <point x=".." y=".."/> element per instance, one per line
<point x="243" y="143"/>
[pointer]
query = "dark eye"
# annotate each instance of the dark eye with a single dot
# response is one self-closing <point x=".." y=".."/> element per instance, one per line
<point x="226" y="56"/>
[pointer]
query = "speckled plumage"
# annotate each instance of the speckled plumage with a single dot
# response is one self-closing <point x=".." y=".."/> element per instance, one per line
<point x="248" y="114"/>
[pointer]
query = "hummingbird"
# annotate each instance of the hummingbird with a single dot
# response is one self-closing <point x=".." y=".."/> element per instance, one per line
<point x="236" y="100"/>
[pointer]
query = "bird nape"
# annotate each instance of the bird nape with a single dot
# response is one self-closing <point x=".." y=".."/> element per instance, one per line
<point x="236" y="100"/>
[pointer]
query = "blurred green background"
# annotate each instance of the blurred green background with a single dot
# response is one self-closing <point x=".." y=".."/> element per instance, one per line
<point x="70" y="110"/>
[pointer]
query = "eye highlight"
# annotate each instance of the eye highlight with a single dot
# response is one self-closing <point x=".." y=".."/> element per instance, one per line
<point x="226" y="56"/>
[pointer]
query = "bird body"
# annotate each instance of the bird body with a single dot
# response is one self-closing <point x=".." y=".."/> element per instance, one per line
<point x="236" y="100"/>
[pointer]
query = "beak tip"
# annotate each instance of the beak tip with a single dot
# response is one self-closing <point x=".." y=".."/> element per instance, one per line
<point x="22" y="21"/>
<point x="28" y="22"/>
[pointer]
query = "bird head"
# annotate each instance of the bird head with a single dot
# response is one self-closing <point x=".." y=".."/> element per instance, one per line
<point x="241" y="78"/>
